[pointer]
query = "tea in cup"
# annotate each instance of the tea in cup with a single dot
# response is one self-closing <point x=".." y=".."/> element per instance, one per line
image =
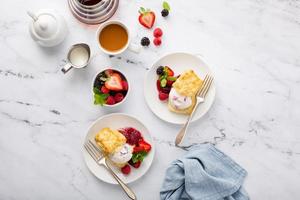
<point x="113" y="38"/>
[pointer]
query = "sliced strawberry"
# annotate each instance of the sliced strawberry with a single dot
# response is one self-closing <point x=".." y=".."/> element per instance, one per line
<point x="146" y="18"/>
<point x="137" y="149"/>
<point x="126" y="169"/>
<point x="145" y="145"/>
<point x="169" y="71"/>
<point x="114" y="82"/>
<point x="137" y="164"/>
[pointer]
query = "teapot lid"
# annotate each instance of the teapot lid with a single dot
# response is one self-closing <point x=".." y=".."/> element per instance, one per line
<point x="45" y="25"/>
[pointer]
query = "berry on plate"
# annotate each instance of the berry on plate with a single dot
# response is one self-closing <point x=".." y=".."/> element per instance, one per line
<point x="157" y="41"/>
<point x="146" y="18"/>
<point x="145" y="41"/>
<point x="160" y="70"/>
<point x="145" y="145"/>
<point x="114" y="82"/>
<point x="157" y="32"/>
<point x="163" y="96"/>
<point x="137" y="164"/>
<point x="126" y="169"/>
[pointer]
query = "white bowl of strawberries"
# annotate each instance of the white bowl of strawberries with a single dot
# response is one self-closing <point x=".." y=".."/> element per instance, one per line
<point x="110" y="88"/>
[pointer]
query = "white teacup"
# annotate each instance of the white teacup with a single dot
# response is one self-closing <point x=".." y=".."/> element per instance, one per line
<point x="132" y="47"/>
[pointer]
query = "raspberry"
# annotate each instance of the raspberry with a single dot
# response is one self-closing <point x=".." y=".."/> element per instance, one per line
<point x="110" y="100"/>
<point x="170" y="83"/>
<point x="163" y="96"/>
<point x="157" y="32"/>
<point x="118" y="97"/>
<point x="126" y="169"/>
<point x="157" y="41"/>
<point x="104" y="90"/>
<point x="132" y="135"/>
<point x="137" y="164"/>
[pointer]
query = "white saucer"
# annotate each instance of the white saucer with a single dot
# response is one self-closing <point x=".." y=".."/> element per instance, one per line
<point x="178" y="62"/>
<point x="116" y="121"/>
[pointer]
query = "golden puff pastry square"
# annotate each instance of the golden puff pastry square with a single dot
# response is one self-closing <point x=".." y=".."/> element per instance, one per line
<point x="109" y="140"/>
<point x="188" y="83"/>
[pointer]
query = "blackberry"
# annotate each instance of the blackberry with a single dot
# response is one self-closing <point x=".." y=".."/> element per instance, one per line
<point x="145" y="41"/>
<point x="160" y="70"/>
<point x="164" y="12"/>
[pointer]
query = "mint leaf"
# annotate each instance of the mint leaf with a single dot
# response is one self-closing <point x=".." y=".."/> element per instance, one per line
<point x="99" y="98"/>
<point x="96" y="90"/>
<point x="166" y="6"/>
<point x="171" y="78"/>
<point x="138" y="156"/>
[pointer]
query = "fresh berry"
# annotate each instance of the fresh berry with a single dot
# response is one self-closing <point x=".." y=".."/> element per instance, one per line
<point x="108" y="72"/>
<point x="118" y="97"/>
<point x="137" y="164"/>
<point x="166" y="90"/>
<point x="158" y="85"/>
<point x="114" y="82"/>
<point x="157" y="41"/>
<point x="160" y="70"/>
<point x="157" y="32"/>
<point x="145" y="145"/>
<point x="170" y="83"/>
<point x="146" y="18"/>
<point x="164" y="12"/>
<point x="137" y="149"/>
<point x="145" y="41"/>
<point x="163" y="96"/>
<point x="104" y="90"/>
<point x="126" y="169"/>
<point x="125" y="85"/>
<point x="169" y="71"/>
<point x="132" y="135"/>
<point x="110" y="100"/>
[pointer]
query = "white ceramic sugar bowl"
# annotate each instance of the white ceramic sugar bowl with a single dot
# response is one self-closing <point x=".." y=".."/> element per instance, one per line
<point x="47" y="28"/>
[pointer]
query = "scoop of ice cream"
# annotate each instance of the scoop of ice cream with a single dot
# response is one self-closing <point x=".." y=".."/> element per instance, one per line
<point x="178" y="101"/>
<point x="122" y="155"/>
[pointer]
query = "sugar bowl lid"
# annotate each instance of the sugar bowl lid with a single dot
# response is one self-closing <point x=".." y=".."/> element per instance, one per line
<point x="44" y="25"/>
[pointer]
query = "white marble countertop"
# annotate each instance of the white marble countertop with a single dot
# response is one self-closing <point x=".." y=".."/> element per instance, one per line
<point x="253" y="48"/>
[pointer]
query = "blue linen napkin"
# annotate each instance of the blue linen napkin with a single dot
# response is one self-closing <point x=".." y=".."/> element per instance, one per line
<point x="204" y="173"/>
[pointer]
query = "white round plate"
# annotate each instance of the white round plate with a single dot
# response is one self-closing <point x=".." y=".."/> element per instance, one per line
<point x="116" y="121"/>
<point x="178" y="62"/>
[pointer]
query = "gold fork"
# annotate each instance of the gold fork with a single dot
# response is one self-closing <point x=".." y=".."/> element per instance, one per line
<point x="101" y="160"/>
<point x="200" y="98"/>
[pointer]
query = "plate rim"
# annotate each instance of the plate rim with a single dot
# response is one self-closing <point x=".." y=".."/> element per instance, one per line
<point x="196" y="55"/>
<point x="108" y="115"/>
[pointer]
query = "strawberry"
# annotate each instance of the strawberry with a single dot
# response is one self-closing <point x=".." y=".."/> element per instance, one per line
<point x="145" y="145"/>
<point x="126" y="169"/>
<point x="163" y="96"/>
<point x="104" y="90"/>
<point x="146" y="18"/>
<point x="137" y="149"/>
<point x="110" y="100"/>
<point x="114" y="82"/>
<point x="137" y="164"/>
<point x="169" y="71"/>
<point x="125" y="85"/>
<point x="158" y="85"/>
<point x="118" y="97"/>
<point x="170" y="83"/>
<point x="157" y="32"/>
<point x="157" y="41"/>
